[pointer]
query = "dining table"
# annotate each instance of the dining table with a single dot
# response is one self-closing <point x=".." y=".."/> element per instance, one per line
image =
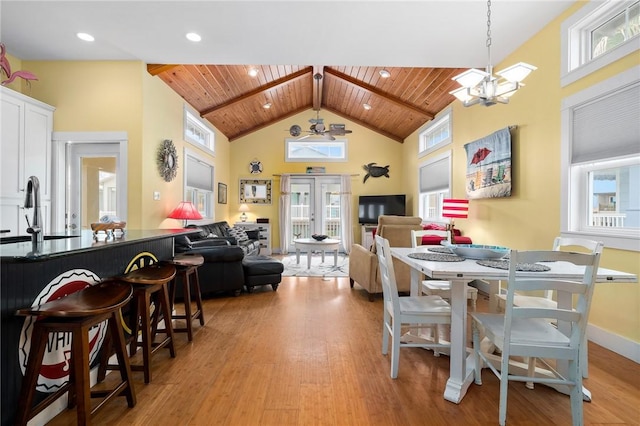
<point x="459" y="273"/>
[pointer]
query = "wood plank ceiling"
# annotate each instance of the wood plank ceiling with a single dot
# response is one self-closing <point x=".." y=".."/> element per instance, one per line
<point x="232" y="101"/>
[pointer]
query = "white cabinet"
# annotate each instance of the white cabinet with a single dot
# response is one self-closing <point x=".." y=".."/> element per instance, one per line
<point x="367" y="235"/>
<point x="265" y="234"/>
<point x="25" y="150"/>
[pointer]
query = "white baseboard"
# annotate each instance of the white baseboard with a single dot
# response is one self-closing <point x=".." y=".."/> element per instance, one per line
<point x="611" y="341"/>
<point x="615" y="343"/>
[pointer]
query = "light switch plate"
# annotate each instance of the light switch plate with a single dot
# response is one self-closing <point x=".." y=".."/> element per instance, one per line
<point x="156" y="195"/>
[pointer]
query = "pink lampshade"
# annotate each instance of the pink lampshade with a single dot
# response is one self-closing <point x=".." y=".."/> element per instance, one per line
<point x="455" y="208"/>
<point x="185" y="211"/>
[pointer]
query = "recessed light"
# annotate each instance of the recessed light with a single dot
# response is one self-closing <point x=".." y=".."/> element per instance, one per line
<point x="193" y="37"/>
<point x="267" y="105"/>
<point x="384" y="74"/>
<point x="85" y="37"/>
<point x="252" y="72"/>
<point x="366" y="106"/>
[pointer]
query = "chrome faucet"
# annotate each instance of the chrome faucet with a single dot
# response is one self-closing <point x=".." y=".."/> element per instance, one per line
<point x="33" y="201"/>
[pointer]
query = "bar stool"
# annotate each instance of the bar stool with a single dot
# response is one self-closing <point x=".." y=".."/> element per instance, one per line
<point x="148" y="281"/>
<point x="187" y="270"/>
<point x="76" y="314"/>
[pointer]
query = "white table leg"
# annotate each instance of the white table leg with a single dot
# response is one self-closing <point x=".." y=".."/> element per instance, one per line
<point x="322" y="255"/>
<point x="297" y="255"/>
<point x="460" y="374"/>
<point x="309" y="253"/>
<point x="335" y="257"/>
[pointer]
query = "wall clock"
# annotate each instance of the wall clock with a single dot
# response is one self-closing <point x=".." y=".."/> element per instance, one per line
<point x="167" y="160"/>
<point x="255" y="167"/>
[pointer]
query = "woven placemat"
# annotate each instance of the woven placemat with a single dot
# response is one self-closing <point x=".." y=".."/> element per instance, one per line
<point x="504" y="264"/>
<point x="436" y="257"/>
<point x="444" y="250"/>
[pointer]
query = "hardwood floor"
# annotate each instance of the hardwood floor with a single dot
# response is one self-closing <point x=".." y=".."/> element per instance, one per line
<point x="309" y="354"/>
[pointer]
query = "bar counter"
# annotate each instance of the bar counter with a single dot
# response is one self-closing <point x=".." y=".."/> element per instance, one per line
<point x="61" y="265"/>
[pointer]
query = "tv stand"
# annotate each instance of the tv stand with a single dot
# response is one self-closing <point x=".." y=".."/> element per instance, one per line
<point x="367" y="235"/>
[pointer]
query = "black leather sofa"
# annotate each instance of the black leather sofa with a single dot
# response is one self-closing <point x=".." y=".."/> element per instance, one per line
<point x="222" y="231"/>
<point x="222" y="270"/>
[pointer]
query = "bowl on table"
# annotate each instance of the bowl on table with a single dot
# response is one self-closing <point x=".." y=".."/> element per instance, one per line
<point x="478" y="251"/>
<point x="319" y="237"/>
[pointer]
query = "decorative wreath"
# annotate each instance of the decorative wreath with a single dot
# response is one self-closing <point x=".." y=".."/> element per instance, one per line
<point x="167" y="160"/>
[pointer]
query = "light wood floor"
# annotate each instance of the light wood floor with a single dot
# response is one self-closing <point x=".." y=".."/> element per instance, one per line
<point x="309" y="354"/>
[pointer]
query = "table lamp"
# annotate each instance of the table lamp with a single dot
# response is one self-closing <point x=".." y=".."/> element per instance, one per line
<point x="244" y="209"/>
<point x="454" y="208"/>
<point x="185" y="211"/>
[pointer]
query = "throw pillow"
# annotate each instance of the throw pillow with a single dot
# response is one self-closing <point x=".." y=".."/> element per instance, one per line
<point x="212" y="235"/>
<point x="239" y="234"/>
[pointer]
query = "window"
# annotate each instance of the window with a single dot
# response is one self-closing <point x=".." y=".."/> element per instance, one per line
<point x="199" y="184"/>
<point x="323" y="150"/>
<point x="601" y="162"/>
<point x="197" y="132"/>
<point x="437" y="135"/>
<point x="597" y="35"/>
<point x="434" y="186"/>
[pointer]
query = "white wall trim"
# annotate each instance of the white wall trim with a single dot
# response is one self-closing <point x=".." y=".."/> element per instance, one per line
<point x="614" y="342"/>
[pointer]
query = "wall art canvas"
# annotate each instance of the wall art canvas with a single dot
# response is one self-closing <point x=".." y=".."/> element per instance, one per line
<point x="489" y="166"/>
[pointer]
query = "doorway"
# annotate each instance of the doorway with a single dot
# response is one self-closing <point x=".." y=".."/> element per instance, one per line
<point x="315" y="207"/>
<point x="91" y="179"/>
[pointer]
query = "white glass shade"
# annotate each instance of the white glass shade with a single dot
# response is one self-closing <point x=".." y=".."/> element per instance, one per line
<point x="470" y="78"/>
<point x="462" y="94"/>
<point x="517" y="72"/>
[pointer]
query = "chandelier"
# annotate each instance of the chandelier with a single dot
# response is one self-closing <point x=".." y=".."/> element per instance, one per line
<point x="482" y="87"/>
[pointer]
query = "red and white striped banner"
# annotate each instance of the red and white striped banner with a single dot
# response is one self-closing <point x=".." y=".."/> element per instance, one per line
<point x="456" y="208"/>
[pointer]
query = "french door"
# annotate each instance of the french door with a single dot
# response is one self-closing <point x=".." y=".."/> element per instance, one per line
<point x="315" y="206"/>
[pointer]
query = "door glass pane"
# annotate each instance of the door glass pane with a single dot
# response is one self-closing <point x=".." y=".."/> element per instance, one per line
<point x="301" y="200"/>
<point x="330" y="209"/>
<point x="98" y="189"/>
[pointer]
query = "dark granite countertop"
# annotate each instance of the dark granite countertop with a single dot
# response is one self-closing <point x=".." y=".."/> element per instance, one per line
<point x="64" y="244"/>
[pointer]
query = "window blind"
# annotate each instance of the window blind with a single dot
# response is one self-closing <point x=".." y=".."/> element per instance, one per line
<point x="608" y="127"/>
<point x="199" y="174"/>
<point x="435" y="176"/>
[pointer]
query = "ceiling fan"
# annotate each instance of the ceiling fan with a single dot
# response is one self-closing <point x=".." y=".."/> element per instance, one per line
<point x="317" y="127"/>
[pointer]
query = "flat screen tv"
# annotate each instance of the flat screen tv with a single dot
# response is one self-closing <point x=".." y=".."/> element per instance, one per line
<point x="372" y="206"/>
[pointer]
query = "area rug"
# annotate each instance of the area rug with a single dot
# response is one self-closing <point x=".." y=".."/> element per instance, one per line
<point x="318" y="268"/>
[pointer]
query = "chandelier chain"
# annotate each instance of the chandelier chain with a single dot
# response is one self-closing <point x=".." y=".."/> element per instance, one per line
<point x="489" y="66"/>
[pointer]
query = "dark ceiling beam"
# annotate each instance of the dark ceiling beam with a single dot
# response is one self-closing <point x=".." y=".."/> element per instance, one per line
<point x="317" y="87"/>
<point x="367" y="125"/>
<point x="373" y="90"/>
<point x="275" y="83"/>
<point x="155" y="69"/>
<point x="268" y="123"/>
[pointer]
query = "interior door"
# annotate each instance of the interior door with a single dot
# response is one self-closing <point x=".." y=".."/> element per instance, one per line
<point x="93" y="187"/>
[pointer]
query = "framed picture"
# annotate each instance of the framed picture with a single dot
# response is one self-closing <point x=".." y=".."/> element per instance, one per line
<point x="222" y="193"/>
<point x="255" y="191"/>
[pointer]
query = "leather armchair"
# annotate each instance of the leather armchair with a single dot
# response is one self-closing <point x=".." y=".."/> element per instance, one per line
<point x="363" y="263"/>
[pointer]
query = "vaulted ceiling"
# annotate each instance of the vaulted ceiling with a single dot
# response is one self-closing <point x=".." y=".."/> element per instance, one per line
<point x="232" y="101"/>
<point x="421" y="43"/>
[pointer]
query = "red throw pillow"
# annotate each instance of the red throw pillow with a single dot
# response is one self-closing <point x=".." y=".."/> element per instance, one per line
<point x="434" y="226"/>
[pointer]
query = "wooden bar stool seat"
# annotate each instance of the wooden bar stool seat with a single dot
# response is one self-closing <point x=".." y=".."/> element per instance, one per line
<point x="149" y="281"/>
<point x="76" y="314"/>
<point x="187" y="270"/>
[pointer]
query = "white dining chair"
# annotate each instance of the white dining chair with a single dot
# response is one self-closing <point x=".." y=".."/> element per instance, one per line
<point x="440" y="288"/>
<point x="528" y="331"/>
<point x="546" y="301"/>
<point x="408" y="312"/>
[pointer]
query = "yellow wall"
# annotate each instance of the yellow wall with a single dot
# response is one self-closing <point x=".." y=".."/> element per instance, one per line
<point x="122" y="96"/>
<point x="267" y="145"/>
<point x="530" y="218"/>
